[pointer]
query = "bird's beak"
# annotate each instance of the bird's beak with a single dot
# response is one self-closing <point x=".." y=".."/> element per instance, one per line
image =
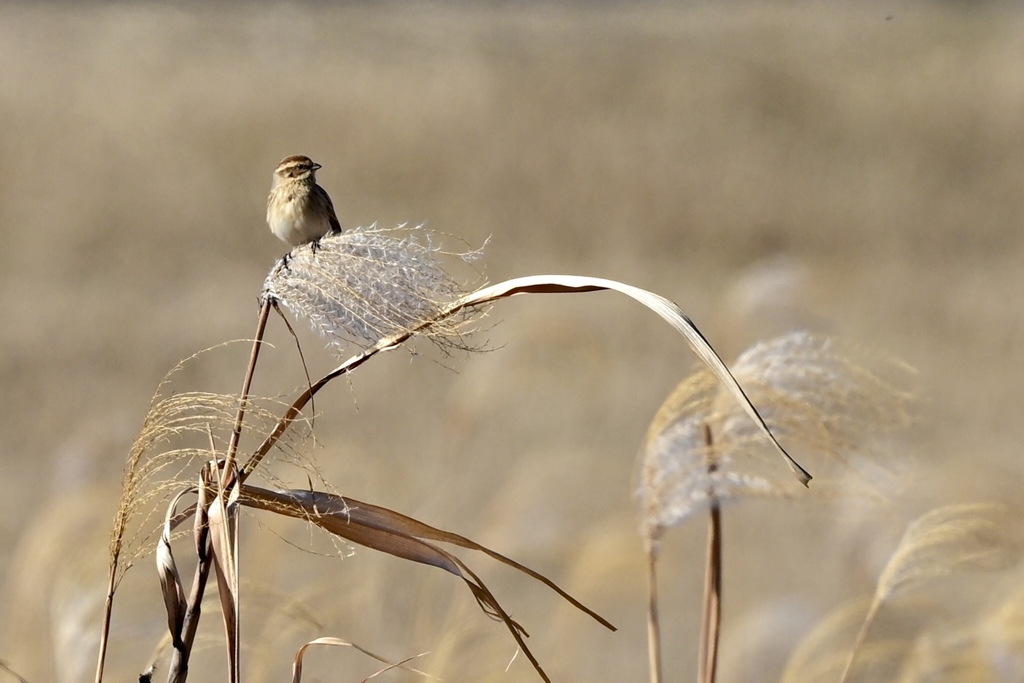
<point x="316" y="166"/>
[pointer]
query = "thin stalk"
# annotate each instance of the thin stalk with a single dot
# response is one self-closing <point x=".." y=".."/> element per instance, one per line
<point x="178" y="671"/>
<point x="300" y="402"/>
<point x="179" y="661"/>
<point x="712" y="612"/>
<point x="236" y="432"/>
<point x="862" y="636"/>
<point x="711" y="615"/>
<point x="653" y="622"/>
<point x="108" y="607"/>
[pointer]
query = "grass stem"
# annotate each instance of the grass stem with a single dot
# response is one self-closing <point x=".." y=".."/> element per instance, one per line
<point x="653" y="622"/>
<point x="711" y="615"/>
<point x="236" y="432"/>
<point x="108" y="607"/>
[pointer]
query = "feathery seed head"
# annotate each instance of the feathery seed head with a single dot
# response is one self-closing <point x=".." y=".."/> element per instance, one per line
<point x="367" y="283"/>
<point x="816" y="395"/>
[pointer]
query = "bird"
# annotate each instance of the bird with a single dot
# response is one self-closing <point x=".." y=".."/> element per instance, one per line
<point x="298" y="210"/>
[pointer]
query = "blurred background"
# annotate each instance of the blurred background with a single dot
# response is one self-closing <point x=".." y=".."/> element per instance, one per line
<point x="857" y="170"/>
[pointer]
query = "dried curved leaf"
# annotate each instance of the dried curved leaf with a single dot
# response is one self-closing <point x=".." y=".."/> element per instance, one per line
<point x="666" y="309"/>
<point x="390" y="532"/>
<point x="356" y="512"/>
<point x="170" y="580"/>
<point x="332" y="514"/>
<point x="542" y="284"/>
<point x="338" y="642"/>
<point x="223" y="526"/>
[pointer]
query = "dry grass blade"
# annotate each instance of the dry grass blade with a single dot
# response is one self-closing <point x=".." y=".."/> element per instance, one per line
<point x="338" y="642"/>
<point x="376" y="517"/>
<point x="711" y="622"/>
<point x="170" y="580"/>
<point x="653" y="616"/>
<point x="182" y="651"/>
<point x="332" y="513"/>
<point x="401" y="536"/>
<point x="669" y="311"/>
<point x="537" y="284"/>
<point x="223" y="521"/>
<point x="243" y="397"/>
<point x="948" y="540"/>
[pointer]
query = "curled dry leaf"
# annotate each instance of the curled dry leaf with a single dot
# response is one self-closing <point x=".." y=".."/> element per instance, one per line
<point x="338" y="642"/>
<point x="542" y="284"/>
<point x="396" y="534"/>
<point x="223" y="525"/>
<point x="170" y="579"/>
<point x="667" y="310"/>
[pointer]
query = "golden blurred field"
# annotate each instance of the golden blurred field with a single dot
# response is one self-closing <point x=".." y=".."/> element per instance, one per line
<point x="859" y="170"/>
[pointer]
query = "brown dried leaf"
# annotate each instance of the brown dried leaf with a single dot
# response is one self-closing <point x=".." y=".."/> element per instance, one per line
<point x="669" y="311"/>
<point x="540" y="284"/>
<point x="393" y="533"/>
<point x="170" y="580"/>
<point x="223" y="521"/>
<point x="338" y="642"/>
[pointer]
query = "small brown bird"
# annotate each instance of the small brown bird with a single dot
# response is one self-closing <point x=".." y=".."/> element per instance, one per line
<point x="299" y="210"/>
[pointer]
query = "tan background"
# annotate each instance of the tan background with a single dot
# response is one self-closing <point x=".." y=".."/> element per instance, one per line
<point x="860" y="171"/>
